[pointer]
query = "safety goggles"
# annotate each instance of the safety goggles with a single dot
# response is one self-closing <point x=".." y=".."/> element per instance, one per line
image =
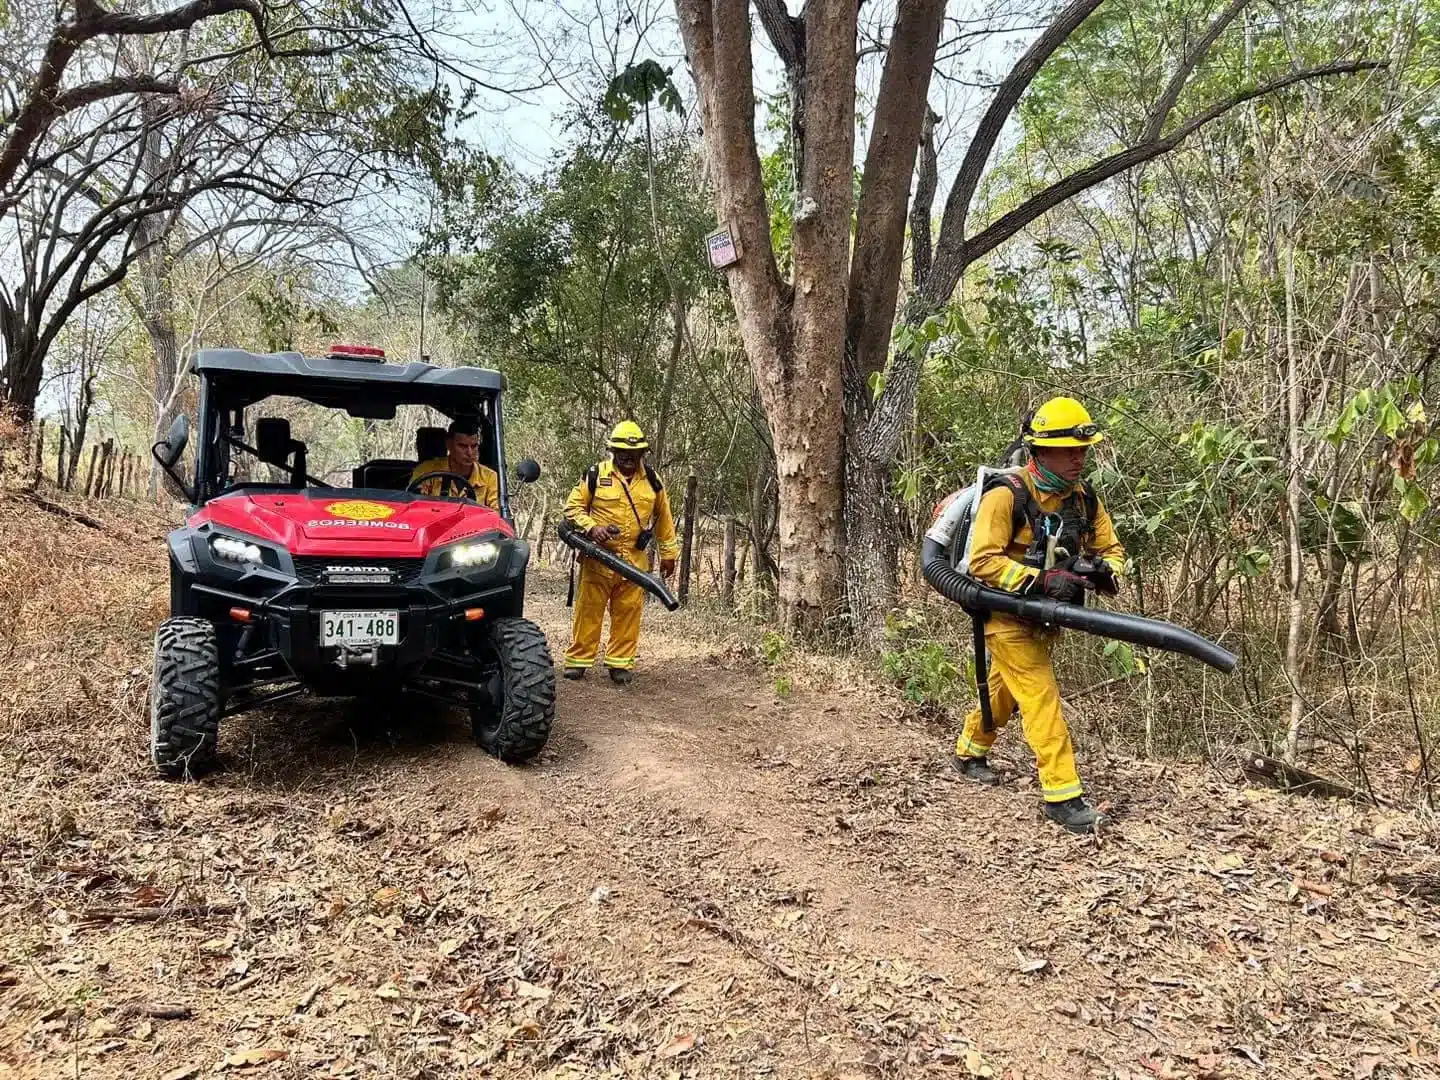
<point x="1079" y="431"/>
<point x="629" y="442"/>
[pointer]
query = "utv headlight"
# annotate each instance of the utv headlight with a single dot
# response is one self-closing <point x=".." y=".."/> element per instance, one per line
<point x="479" y="556"/>
<point x="236" y="551"/>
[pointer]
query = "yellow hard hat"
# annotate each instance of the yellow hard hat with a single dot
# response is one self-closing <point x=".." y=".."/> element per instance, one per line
<point x="1062" y="421"/>
<point x="628" y="436"/>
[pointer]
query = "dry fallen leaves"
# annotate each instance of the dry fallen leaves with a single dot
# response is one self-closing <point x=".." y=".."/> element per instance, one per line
<point x="1365" y="1066"/>
<point x="243" y="1059"/>
<point x="675" y="1047"/>
<point x="976" y="1065"/>
<point x="450" y="946"/>
<point x="1029" y="966"/>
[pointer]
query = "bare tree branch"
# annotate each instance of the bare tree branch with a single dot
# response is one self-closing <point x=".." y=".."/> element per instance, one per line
<point x="926" y="181"/>
<point x="967" y="180"/>
<point x="1156" y="124"/>
<point x="1008" y="225"/>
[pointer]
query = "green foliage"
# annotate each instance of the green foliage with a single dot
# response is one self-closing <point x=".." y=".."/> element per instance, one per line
<point x="919" y="665"/>
<point x="777" y="173"/>
<point x="1123" y="660"/>
<point x="775" y="647"/>
<point x="636" y="87"/>
<point x="284" y="312"/>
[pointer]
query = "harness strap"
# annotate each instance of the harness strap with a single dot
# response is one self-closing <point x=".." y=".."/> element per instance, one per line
<point x="592" y="480"/>
<point x="1025" y="509"/>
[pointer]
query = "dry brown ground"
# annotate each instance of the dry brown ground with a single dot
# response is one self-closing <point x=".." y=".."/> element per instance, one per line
<point x="697" y="880"/>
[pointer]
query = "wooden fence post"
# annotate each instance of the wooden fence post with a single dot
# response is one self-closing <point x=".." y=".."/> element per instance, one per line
<point x="727" y="570"/>
<point x="544" y="518"/>
<point x="689" y="539"/>
<point x="39" y="451"/>
<point x="107" y="454"/>
<point x="90" y="472"/>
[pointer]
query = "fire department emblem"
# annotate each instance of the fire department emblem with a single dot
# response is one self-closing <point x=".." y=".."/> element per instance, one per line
<point x="360" y="510"/>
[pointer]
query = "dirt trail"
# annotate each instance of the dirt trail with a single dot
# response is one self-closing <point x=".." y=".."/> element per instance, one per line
<point x="697" y="879"/>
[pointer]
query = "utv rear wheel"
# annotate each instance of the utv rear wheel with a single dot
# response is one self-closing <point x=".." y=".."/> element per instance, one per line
<point x="515" y="724"/>
<point x="185" y="698"/>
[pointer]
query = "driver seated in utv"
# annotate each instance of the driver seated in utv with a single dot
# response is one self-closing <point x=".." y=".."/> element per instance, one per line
<point x="435" y="475"/>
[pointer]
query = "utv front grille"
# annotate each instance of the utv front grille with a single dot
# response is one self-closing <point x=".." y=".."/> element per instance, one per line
<point x="337" y="570"/>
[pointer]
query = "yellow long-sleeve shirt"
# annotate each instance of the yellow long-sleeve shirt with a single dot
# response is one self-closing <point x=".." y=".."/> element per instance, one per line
<point x="482" y="478"/>
<point x="609" y="506"/>
<point x="996" y="551"/>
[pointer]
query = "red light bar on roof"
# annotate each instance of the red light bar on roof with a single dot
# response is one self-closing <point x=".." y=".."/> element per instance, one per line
<point x="367" y="351"/>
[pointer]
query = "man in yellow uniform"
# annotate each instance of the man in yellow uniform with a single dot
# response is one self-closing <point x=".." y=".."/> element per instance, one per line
<point x="462" y="457"/>
<point x="1049" y="496"/>
<point x="621" y="504"/>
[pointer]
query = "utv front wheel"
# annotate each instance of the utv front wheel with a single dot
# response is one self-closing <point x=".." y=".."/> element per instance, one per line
<point x="185" y="698"/>
<point x="515" y="723"/>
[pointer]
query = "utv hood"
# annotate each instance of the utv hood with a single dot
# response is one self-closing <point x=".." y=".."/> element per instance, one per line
<point x="346" y="523"/>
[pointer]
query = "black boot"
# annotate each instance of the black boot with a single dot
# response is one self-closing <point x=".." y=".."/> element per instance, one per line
<point x="1076" y="814"/>
<point x="573" y="673"/>
<point x="621" y="676"/>
<point x="975" y="769"/>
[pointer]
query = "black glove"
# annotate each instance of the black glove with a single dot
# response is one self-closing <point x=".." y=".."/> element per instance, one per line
<point x="1105" y="580"/>
<point x="1062" y="584"/>
<point x="1098" y="574"/>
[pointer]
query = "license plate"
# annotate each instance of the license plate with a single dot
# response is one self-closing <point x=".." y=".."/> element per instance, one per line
<point x="360" y="628"/>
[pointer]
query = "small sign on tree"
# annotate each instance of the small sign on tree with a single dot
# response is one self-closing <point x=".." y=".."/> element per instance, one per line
<point x="724" y="248"/>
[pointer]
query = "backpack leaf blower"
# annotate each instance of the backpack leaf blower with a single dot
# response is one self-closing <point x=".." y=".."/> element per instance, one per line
<point x="577" y="540"/>
<point x="944" y="562"/>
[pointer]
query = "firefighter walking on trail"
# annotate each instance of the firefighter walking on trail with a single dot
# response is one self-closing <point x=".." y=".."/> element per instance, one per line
<point x="622" y="504"/>
<point x="1044" y="531"/>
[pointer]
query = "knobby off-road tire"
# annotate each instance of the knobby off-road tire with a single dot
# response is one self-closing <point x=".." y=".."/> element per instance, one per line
<point x="185" y="698"/>
<point x="516" y="727"/>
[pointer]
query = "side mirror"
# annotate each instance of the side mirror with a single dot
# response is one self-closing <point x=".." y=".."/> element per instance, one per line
<point x="170" y="449"/>
<point x="527" y="470"/>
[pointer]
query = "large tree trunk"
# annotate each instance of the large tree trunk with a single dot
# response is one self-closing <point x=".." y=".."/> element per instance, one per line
<point x="794" y="335"/>
<point x="24" y="367"/>
<point x="872" y="436"/>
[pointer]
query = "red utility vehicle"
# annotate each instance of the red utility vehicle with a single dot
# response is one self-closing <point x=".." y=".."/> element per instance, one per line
<point x="294" y="584"/>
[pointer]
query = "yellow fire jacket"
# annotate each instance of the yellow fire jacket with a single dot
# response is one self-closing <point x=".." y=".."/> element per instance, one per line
<point x="996" y="551"/>
<point x="609" y="506"/>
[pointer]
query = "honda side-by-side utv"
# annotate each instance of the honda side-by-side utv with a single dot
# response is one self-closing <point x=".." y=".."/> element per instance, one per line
<point x="296" y="585"/>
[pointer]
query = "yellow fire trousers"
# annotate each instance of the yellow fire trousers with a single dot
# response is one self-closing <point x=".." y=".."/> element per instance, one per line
<point x="600" y="588"/>
<point x="1022" y="677"/>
